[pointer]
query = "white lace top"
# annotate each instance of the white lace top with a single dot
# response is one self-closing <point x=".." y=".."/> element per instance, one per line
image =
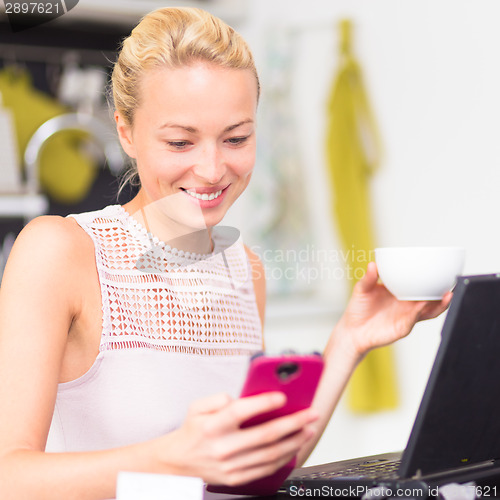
<point x="175" y="327"/>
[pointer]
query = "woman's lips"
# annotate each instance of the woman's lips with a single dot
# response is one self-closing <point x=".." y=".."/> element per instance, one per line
<point x="207" y="198"/>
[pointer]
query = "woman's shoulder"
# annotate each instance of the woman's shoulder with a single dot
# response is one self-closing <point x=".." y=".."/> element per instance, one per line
<point x="52" y="230"/>
<point x="67" y="233"/>
<point x="49" y="256"/>
<point x="52" y="240"/>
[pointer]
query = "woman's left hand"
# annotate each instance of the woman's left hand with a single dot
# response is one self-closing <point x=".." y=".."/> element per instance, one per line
<point x="374" y="317"/>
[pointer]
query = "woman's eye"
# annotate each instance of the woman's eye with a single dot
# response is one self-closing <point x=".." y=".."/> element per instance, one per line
<point x="235" y="141"/>
<point x="178" y="144"/>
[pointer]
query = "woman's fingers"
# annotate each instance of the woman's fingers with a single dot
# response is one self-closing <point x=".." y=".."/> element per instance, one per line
<point x="369" y="280"/>
<point x="243" y="409"/>
<point x="435" y="308"/>
<point x="222" y="450"/>
<point x="210" y="404"/>
<point x="264" y="461"/>
<point x="284" y="449"/>
<point x="219" y="416"/>
<point x="278" y="428"/>
<point x="268" y="434"/>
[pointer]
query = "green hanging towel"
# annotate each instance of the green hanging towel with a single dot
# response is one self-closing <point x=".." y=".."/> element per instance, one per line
<point x="66" y="172"/>
<point x="353" y="154"/>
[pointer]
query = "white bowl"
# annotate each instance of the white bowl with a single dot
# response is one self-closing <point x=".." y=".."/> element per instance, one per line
<point x="419" y="273"/>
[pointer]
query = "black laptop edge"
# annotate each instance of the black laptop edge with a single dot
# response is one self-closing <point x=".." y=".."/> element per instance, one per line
<point x="422" y="484"/>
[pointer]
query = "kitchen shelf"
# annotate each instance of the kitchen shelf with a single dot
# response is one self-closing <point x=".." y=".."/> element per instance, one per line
<point x="26" y="206"/>
<point x="130" y="11"/>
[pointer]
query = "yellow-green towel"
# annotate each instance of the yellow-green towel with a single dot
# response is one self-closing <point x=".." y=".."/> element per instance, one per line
<point x="353" y="153"/>
<point x="66" y="173"/>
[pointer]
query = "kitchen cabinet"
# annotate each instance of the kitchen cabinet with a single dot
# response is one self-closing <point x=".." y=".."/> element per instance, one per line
<point x="130" y="11"/>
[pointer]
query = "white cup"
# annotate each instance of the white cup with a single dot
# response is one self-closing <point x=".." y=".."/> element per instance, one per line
<point x="419" y="273"/>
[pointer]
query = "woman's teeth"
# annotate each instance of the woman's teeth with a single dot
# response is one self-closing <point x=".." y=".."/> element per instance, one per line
<point x="205" y="196"/>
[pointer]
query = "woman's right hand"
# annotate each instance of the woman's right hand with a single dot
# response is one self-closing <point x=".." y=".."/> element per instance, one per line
<point x="212" y="445"/>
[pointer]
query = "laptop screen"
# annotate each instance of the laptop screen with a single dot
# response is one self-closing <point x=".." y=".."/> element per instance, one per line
<point x="458" y="421"/>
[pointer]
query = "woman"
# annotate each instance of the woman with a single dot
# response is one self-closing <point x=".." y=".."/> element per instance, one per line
<point x="125" y="333"/>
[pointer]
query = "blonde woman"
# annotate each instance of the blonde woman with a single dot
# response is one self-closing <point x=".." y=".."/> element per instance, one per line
<point x="124" y="339"/>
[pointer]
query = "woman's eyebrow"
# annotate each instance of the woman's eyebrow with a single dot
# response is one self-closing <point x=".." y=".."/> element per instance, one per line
<point x="236" y="125"/>
<point x="194" y="130"/>
<point x="176" y="125"/>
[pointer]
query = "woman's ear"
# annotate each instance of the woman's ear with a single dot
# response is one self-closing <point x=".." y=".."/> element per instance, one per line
<point x="125" y="135"/>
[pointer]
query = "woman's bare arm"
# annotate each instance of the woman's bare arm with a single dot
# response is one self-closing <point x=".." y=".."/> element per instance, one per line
<point x="38" y="302"/>
<point x="373" y="318"/>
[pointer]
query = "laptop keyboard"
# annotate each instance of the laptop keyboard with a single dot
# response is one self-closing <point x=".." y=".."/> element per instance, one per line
<point x="372" y="469"/>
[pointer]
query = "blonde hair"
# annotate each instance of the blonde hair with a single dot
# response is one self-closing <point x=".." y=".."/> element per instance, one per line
<point x="174" y="37"/>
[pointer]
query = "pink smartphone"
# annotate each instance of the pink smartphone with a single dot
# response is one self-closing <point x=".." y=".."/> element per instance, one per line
<point x="296" y="375"/>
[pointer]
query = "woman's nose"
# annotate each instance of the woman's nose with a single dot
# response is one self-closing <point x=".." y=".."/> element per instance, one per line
<point x="210" y="166"/>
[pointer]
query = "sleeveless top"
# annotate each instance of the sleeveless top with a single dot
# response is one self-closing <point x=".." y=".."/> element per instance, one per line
<point x="176" y="326"/>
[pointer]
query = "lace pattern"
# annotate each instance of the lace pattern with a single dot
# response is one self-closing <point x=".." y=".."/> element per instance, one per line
<point x="158" y="297"/>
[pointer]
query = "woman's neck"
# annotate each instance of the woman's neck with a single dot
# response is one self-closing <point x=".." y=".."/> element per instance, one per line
<point x="166" y="220"/>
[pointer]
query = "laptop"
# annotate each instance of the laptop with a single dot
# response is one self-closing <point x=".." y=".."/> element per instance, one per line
<point x="456" y="434"/>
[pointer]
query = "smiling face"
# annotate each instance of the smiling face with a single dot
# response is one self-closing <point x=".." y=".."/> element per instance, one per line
<point x="193" y="136"/>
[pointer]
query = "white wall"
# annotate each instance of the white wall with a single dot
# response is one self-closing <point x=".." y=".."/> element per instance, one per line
<point x="433" y="73"/>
